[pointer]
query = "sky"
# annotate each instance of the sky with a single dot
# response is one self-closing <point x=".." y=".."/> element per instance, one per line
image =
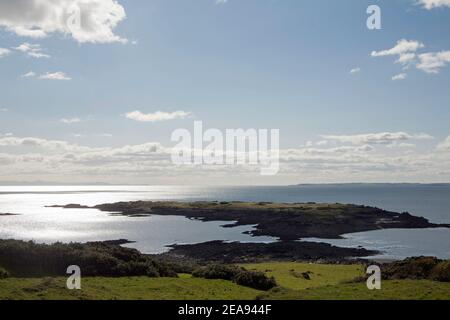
<point x="98" y="101"/>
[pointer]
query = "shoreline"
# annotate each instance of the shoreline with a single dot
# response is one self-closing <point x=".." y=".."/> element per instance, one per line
<point x="285" y="221"/>
<point x="290" y="223"/>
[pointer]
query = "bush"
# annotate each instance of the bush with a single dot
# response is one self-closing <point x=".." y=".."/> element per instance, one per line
<point x="178" y="264"/>
<point x="441" y="272"/>
<point x="217" y="271"/>
<point x="3" y="273"/>
<point x="241" y="276"/>
<point x="255" y="280"/>
<point x="28" y="259"/>
<point x="411" y="268"/>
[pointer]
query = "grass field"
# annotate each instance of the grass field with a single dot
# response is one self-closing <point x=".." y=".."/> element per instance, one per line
<point x="135" y="288"/>
<point x="391" y="290"/>
<point x="290" y="275"/>
<point x="325" y="282"/>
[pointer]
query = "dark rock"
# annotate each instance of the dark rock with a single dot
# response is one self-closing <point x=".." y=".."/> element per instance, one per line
<point x="237" y="252"/>
<point x="8" y="214"/>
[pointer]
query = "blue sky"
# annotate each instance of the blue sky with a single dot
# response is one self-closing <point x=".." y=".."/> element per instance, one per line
<point x="240" y="64"/>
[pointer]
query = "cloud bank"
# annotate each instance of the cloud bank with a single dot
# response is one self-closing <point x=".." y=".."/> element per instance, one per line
<point x="85" y="21"/>
<point x="372" y="157"/>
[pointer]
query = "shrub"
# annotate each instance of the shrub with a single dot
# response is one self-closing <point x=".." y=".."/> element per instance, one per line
<point x="217" y="271"/>
<point x="255" y="280"/>
<point x="3" y="273"/>
<point x="164" y="269"/>
<point x="29" y="259"/>
<point x="441" y="272"/>
<point x="178" y="264"/>
<point x="411" y="268"/>
<point x="241" y="276"/>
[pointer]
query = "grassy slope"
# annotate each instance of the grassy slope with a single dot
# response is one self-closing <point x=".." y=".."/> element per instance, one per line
<point x="327" y="282"/>
<point x="289" y="275"/>
<point x="332" y="282"/>
<point x="391" y="290"/>
<point x="135" y="288"/>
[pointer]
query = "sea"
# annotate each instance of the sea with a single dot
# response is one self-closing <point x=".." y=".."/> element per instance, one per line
<point x="32" y="219"/>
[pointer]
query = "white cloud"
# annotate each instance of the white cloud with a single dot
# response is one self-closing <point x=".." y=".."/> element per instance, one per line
<point x="401" y="76"/>
<point x="221" y="1"/>
<point x="55" y="76"/>
<point x="70" y="120"/>
<point x="157" y="116"/>
<point x="85" y="20"/>
<point x="429" y="62"/>
<point x="355" y="70"/>
<point x="48" y="75"/>
<point x="445" y="145"/>
<point x="4" y="52"/>
<point x="406" y="58"/>
<point x="3" y="109"/>
<point x="406" y="52"/>
<point x="430" y="4"/>
<point x="32" y="50"/>
<point x="432" y="62"/>
<point x="383" y="138"/>
<point x="29" y="74"/>
<point x="402" y="47"/>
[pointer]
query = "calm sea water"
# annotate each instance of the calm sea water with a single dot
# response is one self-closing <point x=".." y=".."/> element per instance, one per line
<point x="153" y="234"/>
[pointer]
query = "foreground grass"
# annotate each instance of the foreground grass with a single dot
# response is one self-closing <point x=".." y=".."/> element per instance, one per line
<point x="391" y="290"/>
<point x="335" y="282"/>
<point x="134" y="288"/>
<point x="325" y="282"/>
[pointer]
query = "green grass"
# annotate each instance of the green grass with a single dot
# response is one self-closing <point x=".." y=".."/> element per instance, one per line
<point x="289" y="275"/>
<point x="135" y="288"/>
<point x="327" y="282"/>
<point x="391" y="290"/>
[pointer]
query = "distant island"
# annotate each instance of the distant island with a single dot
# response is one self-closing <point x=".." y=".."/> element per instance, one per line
<point x="289" y="223"/>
